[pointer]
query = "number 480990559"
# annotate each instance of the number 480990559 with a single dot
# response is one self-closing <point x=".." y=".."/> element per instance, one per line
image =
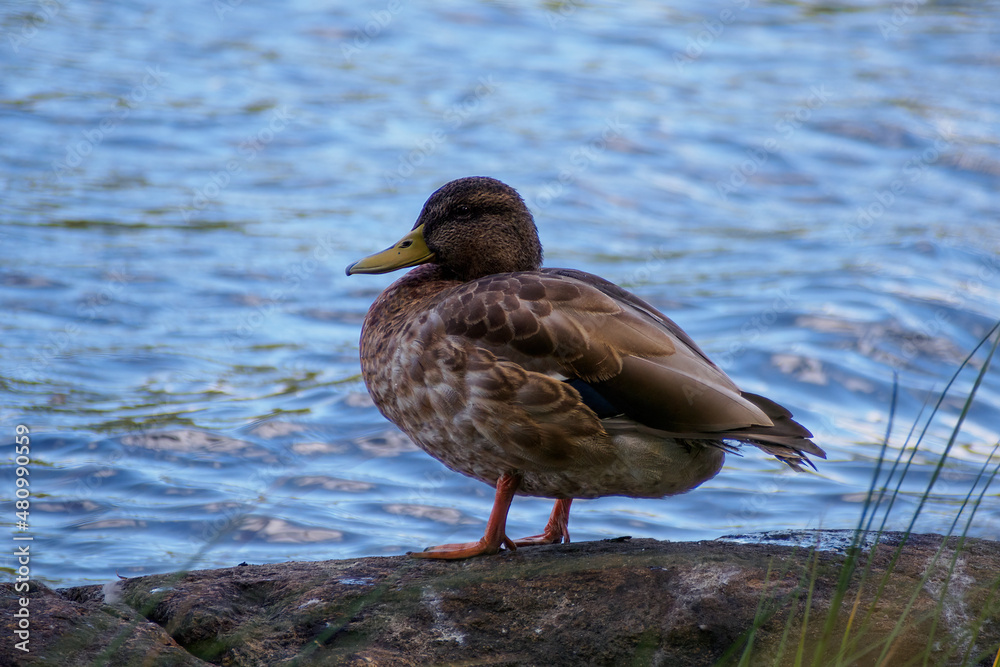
<point x="22" y="452"/>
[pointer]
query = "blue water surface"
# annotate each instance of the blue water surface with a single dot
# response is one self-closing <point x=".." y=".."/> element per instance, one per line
<point x="809" y="189"/>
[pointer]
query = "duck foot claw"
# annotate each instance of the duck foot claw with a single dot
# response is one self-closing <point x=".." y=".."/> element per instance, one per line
<point x="495" y="536"/>
<point x="544" y="538"/>
<point x="461" y="550"/>
<point x="556" y="530"/>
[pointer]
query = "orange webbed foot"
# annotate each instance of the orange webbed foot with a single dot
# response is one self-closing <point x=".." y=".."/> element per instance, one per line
<point x="461" y="550"/>
<point x="495" y="536"/>
<point x="556" y="530"/>
<point x="544" y="538"/>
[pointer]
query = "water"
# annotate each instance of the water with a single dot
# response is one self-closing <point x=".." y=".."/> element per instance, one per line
<point x="183" y="184"/>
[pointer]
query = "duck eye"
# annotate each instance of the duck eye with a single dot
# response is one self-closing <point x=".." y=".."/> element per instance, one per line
<point x="463" y="209"/>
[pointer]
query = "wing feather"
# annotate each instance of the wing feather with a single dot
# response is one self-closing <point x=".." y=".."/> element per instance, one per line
<point x="573" y="325"/>
<point x="633" y="356"/>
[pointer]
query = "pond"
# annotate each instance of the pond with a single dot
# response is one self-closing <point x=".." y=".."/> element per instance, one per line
<point x="810" y="190"/>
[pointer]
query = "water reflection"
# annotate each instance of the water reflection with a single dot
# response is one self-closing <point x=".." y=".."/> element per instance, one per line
<point x="810" y="192"/>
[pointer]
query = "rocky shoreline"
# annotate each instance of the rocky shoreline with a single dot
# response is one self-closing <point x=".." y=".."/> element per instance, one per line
<point x="626" y="601"/>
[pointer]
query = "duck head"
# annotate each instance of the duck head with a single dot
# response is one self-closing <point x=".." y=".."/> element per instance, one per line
<point x="471" y="227"/>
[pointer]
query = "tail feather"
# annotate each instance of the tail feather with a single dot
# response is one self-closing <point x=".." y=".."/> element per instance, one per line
<point x="786" y="440"/>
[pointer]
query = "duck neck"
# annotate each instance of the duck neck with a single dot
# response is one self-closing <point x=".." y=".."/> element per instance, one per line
<point x="391" y="311"/>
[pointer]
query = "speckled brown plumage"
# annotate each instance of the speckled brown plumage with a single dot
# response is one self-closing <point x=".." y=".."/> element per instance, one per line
<point x="547" y="382"/>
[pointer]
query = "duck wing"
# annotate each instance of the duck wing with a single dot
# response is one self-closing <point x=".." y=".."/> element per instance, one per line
<point x="621" y="355"/>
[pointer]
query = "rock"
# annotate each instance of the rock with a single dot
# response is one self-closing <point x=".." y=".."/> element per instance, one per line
<point x="73" y="627"/>
<point x="593" y="603"/>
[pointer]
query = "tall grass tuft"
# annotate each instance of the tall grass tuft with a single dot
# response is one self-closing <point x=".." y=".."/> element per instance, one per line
<point x="846" y="635"/>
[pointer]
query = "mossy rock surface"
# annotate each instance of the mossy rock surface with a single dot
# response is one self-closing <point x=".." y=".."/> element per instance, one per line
<point x="625" y="602"/>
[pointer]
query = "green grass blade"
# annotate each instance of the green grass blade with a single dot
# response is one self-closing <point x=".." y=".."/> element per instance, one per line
<point x="923" y="499"/>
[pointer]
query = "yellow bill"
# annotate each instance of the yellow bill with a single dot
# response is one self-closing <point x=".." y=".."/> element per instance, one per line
<point x="408" y="251"/>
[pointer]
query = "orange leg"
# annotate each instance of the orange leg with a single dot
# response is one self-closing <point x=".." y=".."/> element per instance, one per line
<point x="495" y="536"/>
<point x="556" y="530"/>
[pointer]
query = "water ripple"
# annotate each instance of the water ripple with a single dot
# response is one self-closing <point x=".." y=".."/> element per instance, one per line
<point x="809" y="191"/>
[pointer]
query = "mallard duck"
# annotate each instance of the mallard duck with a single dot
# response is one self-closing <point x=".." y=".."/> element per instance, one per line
<point x="544" y="381"/>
